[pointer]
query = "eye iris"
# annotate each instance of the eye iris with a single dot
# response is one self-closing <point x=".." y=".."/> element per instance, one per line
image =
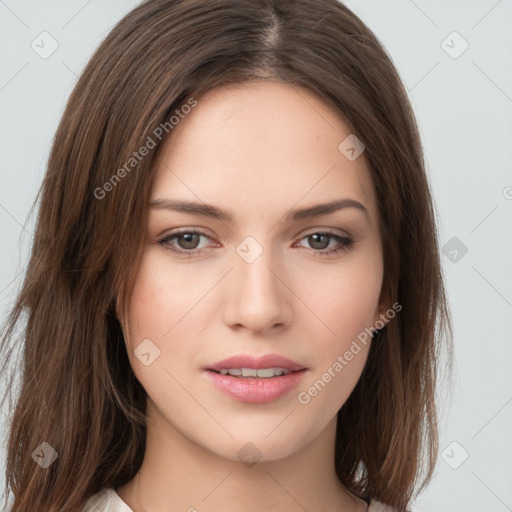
<point x="315" y="238"/>
<point x="188" y="243"/>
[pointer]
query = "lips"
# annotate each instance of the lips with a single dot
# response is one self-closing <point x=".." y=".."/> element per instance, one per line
<point x="254" y="389"/>
<point x="257" y="363"/>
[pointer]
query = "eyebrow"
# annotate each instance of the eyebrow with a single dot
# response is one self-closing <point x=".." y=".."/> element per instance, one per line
<point x="208" y="210"/>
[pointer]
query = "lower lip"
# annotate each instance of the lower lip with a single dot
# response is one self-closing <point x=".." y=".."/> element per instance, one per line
<point x="254" y="390"/>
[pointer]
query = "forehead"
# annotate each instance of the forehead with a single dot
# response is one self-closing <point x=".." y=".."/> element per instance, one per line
<point x="261" y="147"/>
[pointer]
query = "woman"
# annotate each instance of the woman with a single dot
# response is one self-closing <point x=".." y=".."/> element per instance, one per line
<point x="234" y="298"/>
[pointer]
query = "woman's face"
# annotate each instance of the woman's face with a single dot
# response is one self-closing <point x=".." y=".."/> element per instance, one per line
<point x="265" y="281"/>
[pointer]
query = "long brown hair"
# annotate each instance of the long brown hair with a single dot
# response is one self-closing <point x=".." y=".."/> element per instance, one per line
<point x="77" y="391"/>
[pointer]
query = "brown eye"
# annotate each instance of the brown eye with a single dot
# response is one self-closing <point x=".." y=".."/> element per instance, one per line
<point x="320" y="241"/>
<point x="183" y="242"/>
<point x="189" y="240"/>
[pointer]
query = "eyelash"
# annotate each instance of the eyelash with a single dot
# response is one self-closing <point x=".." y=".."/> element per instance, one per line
<point x="345" y="242"/>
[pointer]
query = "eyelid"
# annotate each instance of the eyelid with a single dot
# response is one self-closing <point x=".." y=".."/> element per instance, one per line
<point x="332" y="231"/>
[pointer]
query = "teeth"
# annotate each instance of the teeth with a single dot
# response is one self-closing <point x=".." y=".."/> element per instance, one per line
<point x="236" y="372"/>
<point x="264" y="373"/>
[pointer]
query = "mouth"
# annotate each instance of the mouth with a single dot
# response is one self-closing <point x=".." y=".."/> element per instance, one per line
<point x="254" y="373"/>
<point x="255" y="379"/>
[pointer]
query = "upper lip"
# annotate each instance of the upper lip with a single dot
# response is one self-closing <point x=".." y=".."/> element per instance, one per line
<point x="258" y="363"/>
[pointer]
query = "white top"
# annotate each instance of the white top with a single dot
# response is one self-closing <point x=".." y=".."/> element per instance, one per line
<point x="107" y="500"/>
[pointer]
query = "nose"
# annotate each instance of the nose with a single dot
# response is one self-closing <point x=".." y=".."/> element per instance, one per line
<point x="257" y="295"/>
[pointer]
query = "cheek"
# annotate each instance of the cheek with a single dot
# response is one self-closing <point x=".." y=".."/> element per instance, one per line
<point x="347" y="303"/>
<point x="166" y="307"/>
<point x="153" y="311"/>
<point x="161" y="296"/>
<point x="158" y="301"/>
<point x="344" y="298"/>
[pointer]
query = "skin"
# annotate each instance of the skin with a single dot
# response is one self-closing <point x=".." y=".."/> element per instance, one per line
<point x="256" y="151"/>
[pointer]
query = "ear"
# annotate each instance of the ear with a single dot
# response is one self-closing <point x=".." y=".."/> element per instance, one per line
<point x="383" y="306"/>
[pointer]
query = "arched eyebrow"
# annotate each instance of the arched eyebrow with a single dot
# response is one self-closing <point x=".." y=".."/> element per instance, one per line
<point x="208" y="210"/>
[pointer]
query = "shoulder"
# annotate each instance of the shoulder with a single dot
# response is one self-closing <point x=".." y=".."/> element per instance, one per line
<point x="107" y="500"/>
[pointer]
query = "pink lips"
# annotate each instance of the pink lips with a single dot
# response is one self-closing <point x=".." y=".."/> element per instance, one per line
<point x="256" y="390"/>
<point x="265" y="361"/>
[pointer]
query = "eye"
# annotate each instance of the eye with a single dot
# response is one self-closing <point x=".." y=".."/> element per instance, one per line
<point x="186" y="243"/>
<point x="320" y="240"/>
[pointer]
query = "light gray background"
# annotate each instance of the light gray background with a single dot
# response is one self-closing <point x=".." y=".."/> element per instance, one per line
<point x="464" y="109"/>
